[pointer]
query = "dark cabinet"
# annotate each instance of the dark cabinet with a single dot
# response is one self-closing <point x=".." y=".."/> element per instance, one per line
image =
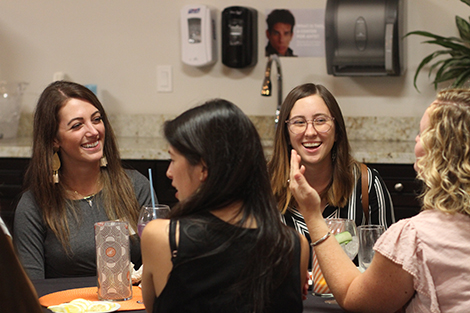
<point x="12" y="172"/>
<point x="162" y="184"/>
<point x="399" y="178"/>
<point x="403" y="187"/>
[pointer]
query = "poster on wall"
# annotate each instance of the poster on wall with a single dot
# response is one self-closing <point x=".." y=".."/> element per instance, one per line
<point x="295" y="32"/>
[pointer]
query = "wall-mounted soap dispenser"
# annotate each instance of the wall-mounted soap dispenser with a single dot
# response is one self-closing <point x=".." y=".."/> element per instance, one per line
<point x="198" y="37"/>
<point x="239" y="37"/>
<point x="364" y="37"/>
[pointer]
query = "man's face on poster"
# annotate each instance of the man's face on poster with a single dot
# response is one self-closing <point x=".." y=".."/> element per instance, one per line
<point x="280" y="37"/>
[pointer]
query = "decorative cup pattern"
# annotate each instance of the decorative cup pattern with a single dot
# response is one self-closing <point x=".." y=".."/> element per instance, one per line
<point x="113" y="261"/>
<point x="319" y="284"/>
<point x="320" y="287"/>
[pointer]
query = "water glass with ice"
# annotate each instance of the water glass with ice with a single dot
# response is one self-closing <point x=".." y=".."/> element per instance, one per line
<point x="345" y="232"/>
<point x="368" y="235"/>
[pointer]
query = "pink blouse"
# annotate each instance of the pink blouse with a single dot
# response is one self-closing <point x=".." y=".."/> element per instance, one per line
<point x="434" y="247"/>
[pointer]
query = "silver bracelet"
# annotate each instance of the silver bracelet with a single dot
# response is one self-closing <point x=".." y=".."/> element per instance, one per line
<point x="319" y="241"/>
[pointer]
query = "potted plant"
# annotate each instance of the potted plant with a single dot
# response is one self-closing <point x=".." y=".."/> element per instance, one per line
<point x="455" y="64"/>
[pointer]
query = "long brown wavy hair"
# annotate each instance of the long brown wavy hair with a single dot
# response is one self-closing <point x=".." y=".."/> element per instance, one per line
<point x="341" y="186"/>
<point x="118" y="192"/>
<point x="445" y="167"/>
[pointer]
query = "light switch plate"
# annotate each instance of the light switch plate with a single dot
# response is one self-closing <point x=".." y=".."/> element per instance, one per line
<point x="164" y="78"/>
<point x="58" y="76"/>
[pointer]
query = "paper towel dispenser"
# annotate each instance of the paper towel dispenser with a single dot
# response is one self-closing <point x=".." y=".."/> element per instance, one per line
<point x="364" y="37"/>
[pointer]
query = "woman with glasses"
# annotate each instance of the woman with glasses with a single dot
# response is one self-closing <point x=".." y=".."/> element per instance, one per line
<point x="311" y="123"/>
<point x="420" y="263"/>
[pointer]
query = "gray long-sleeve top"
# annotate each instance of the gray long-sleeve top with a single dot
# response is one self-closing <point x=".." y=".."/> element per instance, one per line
<point x="42" y="254"/>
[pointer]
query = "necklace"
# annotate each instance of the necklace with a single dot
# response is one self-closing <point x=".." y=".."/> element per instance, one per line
<point x="88" y="198"/>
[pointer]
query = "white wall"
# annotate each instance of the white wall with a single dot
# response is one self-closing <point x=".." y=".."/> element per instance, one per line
<point x="117" y="44"/>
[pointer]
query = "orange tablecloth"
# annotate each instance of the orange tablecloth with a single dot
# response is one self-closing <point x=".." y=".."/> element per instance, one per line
<point x="91" y="293"/>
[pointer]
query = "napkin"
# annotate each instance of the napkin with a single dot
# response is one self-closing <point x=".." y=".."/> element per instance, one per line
<point x="136" y="274"/>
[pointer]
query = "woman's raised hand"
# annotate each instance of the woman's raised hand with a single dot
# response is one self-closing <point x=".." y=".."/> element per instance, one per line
<point x="307" y="198"/>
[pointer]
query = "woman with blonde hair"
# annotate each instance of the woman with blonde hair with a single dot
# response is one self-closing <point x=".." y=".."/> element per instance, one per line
<point x="421" y="263"/>
<point x="74" y="179"/>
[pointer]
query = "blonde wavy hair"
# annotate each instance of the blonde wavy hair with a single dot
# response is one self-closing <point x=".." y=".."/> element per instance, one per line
<point x="445" y="167"/>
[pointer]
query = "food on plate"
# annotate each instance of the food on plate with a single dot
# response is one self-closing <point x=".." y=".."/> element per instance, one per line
<point x="84" y="306"/>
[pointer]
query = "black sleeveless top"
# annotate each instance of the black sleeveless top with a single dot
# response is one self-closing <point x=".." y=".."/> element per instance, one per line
<point x="205" y="268"/>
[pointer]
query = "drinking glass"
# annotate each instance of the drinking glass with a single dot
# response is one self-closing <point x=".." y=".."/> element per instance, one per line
<point x="351" y="247"/>
<point x="368" y="235"/>
<point x="113" y="261"/>
<point x="149" y="212"/>
<point x="340" y="225"/>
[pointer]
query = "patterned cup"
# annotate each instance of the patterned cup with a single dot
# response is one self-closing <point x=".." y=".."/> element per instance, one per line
<point x="113" y="261"/>
<point x="320" y="288"/>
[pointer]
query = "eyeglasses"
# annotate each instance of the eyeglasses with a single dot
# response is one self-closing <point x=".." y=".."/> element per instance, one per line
<point x="321" y="124"/>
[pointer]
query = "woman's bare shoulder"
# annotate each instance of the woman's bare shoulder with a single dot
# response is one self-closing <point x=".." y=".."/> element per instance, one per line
<point x="157" y="230"/>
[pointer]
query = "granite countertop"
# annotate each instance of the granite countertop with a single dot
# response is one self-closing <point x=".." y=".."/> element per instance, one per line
<point x="145" y="148"/>
<point x="373" y="139"/>
<point x="152" y="148"/>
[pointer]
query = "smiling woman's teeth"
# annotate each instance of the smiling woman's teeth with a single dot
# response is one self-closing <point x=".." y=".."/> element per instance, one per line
<point x="91" y="145"/>
<point x="311" y="145"/>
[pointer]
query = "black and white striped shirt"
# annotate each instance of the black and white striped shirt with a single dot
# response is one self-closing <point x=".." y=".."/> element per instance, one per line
<point x="380" y="207"/>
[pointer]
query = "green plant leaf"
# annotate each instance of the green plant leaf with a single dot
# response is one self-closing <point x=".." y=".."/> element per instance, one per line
<point x="448" y="75"/>
<point x="425" y="34"/>
<point x="462" y="79"/>
<point x="423" y="63"/>
<point x="452" y="62"/>
<point x="443" y="65"/>
<point x="445" y="69"/>
<point x="452" y="69"/>
<point x="430" y="35"/>
<point x="464" y="28"/>
<point x="447" y="44"/>
<point x="467" y="2"/>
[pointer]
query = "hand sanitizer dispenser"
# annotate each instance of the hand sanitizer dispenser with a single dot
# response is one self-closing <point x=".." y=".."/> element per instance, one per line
<point x="198" y="38"/>
<point x="239" y="37"/>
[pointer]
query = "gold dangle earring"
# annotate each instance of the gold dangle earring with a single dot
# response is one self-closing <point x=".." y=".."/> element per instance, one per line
<point x="103" y="161"/>
<point x="55" y="167"/>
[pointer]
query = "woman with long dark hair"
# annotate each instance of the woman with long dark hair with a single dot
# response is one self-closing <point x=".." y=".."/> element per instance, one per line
<point x="224" y="248"/>
<point x="74" y="179"/>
